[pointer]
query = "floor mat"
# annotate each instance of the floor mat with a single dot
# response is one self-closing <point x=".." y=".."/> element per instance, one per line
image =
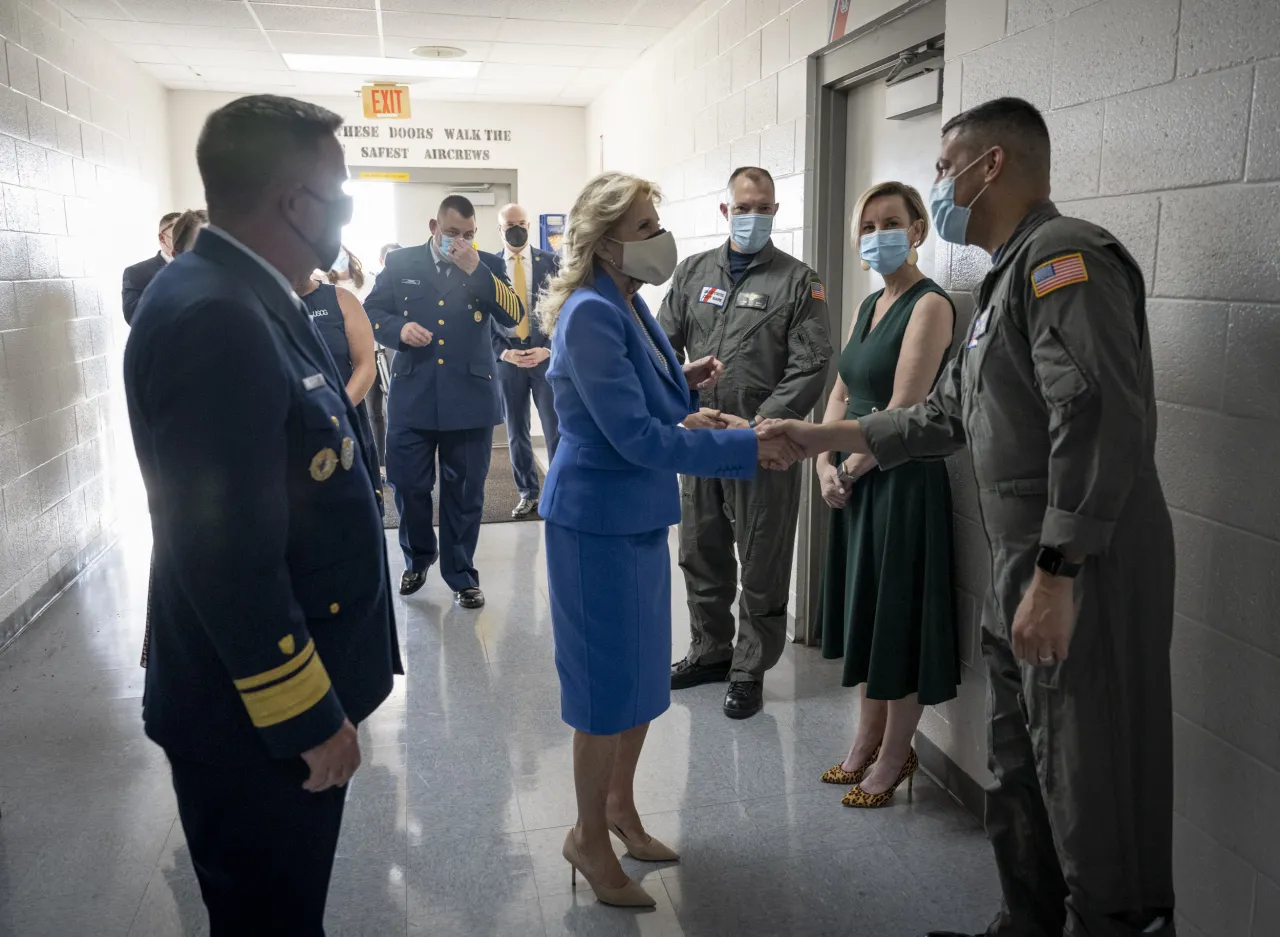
<point x="500" y="494"/>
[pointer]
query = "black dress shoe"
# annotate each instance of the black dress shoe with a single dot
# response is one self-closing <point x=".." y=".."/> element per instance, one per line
<point x="526" y="507"/>
<point x="686" y="673"/>
<point x="412" y="582"/>
<point x="744" y="699"/>
<point x="469" y="598"/>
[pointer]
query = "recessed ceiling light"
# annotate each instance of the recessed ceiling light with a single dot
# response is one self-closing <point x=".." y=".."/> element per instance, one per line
<point x="439" y="52"/>
<point x="374" y="67"/>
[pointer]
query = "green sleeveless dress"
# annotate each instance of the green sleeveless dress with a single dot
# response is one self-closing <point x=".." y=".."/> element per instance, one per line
<point x="886" y="604"/>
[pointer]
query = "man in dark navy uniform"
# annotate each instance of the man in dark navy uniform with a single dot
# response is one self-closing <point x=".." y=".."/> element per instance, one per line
<point x="271" y="629"/>
<point x="434" y="304"/>
<point x="523" y="354"/>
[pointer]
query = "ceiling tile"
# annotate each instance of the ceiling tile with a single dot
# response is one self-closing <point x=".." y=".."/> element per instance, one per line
<point x="400" y="47"/>
<point x="263" y="77"/>
<point x="316" y="20"/>
<point x="323" y="44"/>
<point x="612" y="58"/>
<point x="520" y="53"/>
<point x="171" y="72"/>
<point x="230" y="58"/>
<point x="575" y="11"/>
<point x="209" y="37"/>
<point x="495" y="91"/>
<point x="453" y="28"/>
<point x="439" y="86"/>
<point x="333" y="4"/>
<point x="472" y="7"/>
<point x="189" y="12"/>
<point x="579" y="34"/>
<point x="145" y="53"/>
<point x="533" y="74"/>
<point x="664" y="13"/>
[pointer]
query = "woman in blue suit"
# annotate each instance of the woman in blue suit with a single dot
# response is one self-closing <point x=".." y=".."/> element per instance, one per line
<point x="609" y="499"/>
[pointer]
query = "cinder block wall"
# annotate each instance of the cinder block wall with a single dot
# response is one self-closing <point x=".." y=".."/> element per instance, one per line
<point x="1165" y="117"/>
<point x="83" y="177"/>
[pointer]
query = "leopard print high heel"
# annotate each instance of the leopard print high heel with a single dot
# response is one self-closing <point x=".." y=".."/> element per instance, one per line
<point x="857" y="797"/>
<point x="838" y="775"/>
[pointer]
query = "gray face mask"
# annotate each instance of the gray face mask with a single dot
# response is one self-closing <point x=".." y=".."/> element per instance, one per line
<point x="652" y="260"/>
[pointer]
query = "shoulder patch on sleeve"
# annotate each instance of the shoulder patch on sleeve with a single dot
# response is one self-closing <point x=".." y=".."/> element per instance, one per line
<point x="1059" y="272"/>
<point x="818" y="291"/>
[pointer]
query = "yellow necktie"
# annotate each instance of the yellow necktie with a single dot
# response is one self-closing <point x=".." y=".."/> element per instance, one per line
<point x="522" y="290"/>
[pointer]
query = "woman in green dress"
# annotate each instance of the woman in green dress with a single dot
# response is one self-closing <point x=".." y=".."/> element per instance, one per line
<point x="886" y="603"/>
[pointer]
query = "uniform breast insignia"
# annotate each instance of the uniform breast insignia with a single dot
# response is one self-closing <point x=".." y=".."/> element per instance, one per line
<point x="713" y="295"/>
<point x="753" y="301"/>
<point x="323" y="463"/>
<point x="1057" y="273"/>
<point x="411" y="282"/>
<point x="348" y="453"/>
<point x="818" y="291"/>
<point x="980" y="326"/>
<point x="312" y="382"/>
<point x="287" y="645"/>
<point x="479" y="317"/>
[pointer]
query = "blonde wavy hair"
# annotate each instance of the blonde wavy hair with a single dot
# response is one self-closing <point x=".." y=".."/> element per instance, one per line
<point x="597" y="208"/>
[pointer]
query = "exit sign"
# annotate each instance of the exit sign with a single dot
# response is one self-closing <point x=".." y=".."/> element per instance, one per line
<point x="385" y="100"/>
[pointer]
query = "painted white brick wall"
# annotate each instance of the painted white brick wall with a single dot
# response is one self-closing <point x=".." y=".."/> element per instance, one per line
<point x="1165" y="117"/>
<point x="83" y="178"/>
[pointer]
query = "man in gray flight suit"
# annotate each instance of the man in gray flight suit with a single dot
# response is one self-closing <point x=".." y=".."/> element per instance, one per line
<point x="1053" y="396"/>
<point x="764" y="315"/>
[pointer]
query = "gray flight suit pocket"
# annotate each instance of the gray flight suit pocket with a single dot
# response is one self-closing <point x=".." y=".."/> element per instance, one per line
<point x="1064" y="383"/>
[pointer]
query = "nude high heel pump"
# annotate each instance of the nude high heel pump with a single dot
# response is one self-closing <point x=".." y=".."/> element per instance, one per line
<point x="629" y="895"/>
<point x="651" y="851"/>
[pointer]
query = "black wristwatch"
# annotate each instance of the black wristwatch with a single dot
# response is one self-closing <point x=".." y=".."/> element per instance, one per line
<point x="1055" y="564"/>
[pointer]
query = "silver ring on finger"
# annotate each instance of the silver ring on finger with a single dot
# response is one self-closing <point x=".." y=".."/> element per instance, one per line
<point x="1052" y="658"/>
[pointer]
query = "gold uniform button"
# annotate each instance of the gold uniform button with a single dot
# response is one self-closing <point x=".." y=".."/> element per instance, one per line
<point x="333" y="609"/>
<point x="440" y="341"/>
<point x="439" y="361"/>
<point x="441" y="321"/>
<point x="375" y="325"/>
<point x="334" y="420"/>
<point x="442" y="302"/>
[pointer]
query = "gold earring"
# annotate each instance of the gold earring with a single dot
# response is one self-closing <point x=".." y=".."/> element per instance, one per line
<point x="912" y="256"/>
<point x="866" y="266"/>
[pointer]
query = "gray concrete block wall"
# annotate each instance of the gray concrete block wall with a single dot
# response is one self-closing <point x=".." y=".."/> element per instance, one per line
<point x="1183" y="167"/>
<point x="83" y="178"/>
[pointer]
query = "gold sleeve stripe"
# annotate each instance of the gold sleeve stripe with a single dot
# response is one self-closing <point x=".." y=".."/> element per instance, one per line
<point x="284" y="701"/>
<point x="276" y="673"/>
<point x="507" y="298"/>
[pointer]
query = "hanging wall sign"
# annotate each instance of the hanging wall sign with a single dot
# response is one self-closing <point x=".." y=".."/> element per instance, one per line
<point x="383" y="100"/>
<point x="839" y="19"/>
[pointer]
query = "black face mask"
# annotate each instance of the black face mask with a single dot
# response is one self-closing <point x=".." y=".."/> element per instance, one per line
<point x="516" y="236"/>
<point x="327" y="247"/>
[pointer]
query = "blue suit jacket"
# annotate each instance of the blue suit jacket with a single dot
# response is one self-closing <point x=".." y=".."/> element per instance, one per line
<point x="621" y="446"/>
<point x="545" y="266"/>
<point x="270" y="612"/>
<point x="449" y="384"/>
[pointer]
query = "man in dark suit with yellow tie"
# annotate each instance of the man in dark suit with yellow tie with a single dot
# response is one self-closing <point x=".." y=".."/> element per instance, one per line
<point x="523" y="354"/>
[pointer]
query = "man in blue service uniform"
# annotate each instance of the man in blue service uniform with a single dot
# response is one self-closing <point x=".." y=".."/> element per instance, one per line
<point x="523" y="353"/>
<point x="433" y="304"/>
<point x="272" y="633"/>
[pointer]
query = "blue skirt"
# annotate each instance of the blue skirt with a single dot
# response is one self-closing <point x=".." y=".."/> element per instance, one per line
<point x="611" y="616"/>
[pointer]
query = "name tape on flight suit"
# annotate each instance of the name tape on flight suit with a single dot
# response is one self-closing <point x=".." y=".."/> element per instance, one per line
<point x="753" y="301"/>
<point x="713" y="295"/>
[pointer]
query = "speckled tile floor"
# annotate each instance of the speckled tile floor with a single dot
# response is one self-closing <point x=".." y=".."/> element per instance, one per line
<point x="455" y="822"/>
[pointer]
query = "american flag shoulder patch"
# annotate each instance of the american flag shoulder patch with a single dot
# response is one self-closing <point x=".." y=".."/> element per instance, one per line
<point x="818" y="291"/>
<point x="1059" y="272"/>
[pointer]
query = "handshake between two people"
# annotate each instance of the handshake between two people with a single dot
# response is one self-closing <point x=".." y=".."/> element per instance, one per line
<point x="781" y="443"/>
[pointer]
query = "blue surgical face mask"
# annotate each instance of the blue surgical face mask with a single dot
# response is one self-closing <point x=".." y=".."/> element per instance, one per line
<point x="949" y="219"/>
<point x="885" y="251"/>
<point x="750" y="232"/>
<point x="342" y="264"/>
<point x="445" y="243"/>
